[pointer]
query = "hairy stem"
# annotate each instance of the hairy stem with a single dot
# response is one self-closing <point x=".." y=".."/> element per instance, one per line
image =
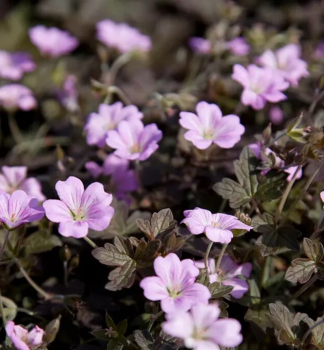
<point x="220" y="257"/>
<point x="90" y="242"/>
<point x="207" y="255"/>
<point x="4" y="243"/>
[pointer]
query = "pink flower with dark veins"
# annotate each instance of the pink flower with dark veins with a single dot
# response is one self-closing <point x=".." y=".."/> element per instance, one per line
<point x="260" y="85"/>
<point x="201" y="328"/>
<point x="217" y="227"/>
<point x="228" y="274"/>
<point x="13" y="65"/>
<point x="22" y="339"/>
<point x="16" y="96"/>
<point x="52" y="42"/>
<point x="175" y="284"/>
<point x="79" y="209"/>
<point x="15" y="178"/>
<point x="209" y="126"/>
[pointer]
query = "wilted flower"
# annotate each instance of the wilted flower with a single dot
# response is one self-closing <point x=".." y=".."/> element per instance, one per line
<point x="260" y="85"/>
<point x="22" y="339"/>
<point x="13" y="65"/>
<point x="200" y="45"/>
<point x="52" y="41"/>
<point x="132" y="140"/>
<point x="209" y="126"/>
<point x="15" y="178"/>
<point x="15" y="96"/>
<point x="200" y="328"/>
<point x="108" y="118"/>
<point x="238" y="46"/>
<point x="18" y="209"/>
<point x="228" y="274"/>
<point x="217" y="227"/>
<point x="175" y="284"/>
<point x="276" y="115"/>
<point x="286" y="62"/>
<point x="122" y="37"/>
<point x="79" y="209"/>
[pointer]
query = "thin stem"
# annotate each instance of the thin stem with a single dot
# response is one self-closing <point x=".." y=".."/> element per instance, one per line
<point x="310" y="330"/>
<point x="41" y="291"/>
<point x="89" y="241"/>
<point x="207" y="255"/>
<point x="277" y="138"/>
<point x="304" y="287"/>
<point x="116" y="90"/>
<point x="4" y="243"/>
<point x="3" y="316"/>
<point x="14" y="129"/>
<point x="286" y="194"/>
<point x="66" y="273"/>
<point x="153" y="319"/>
<point x="118" y="64"/>
<point x="220" y="257"/>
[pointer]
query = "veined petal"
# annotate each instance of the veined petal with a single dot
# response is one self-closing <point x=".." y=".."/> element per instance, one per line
<point x="76" y="229"/>
<point x="57" y="211"/>
<point x="70" y="192"/>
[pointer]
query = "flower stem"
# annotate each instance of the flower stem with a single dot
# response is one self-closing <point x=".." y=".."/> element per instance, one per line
<point x="89" y="241"/>
<point x="116" y="90"/>
<point x="207" y="255"/>
<point x="3" y="316"/>
<point x="4" y="243"/>
<point x="220" y="257"/>
<point x="14" y="129"/>
<point x="153" y="319"/>
<point x="286" y="194"/>
<point x="41" y="291"/>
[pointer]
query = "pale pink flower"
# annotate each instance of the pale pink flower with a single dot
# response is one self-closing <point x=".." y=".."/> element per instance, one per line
<point x="79" y="209"/>
<point x="200" y="328"/>
<point x="15" y="178"/>
<point x="18" y="209"/>
<point x="122" y="37"/>
<point x="13" y="65"/>
<point x="291" y="171"/>
<point x="260" y="85"/>
<point x="200" y="45"/>
<point x="22" y="339"/>
<point x="319" y="51"/>
<point x="132" y="140"/>
<point x="16" y="96"/>
<point x="286" y="62"/>
<point x="209" y="126"/>
<point x="238" y="46"/>
<point x="322" y="196"/>
<point x="68" y="95"/>
<point x="228" y="274"/>
<point x="52" y="42"/>
<point x="108" y="118"/>
<point x="276" y="115"/>
<point x="217" y="227"/>
<point x="175" y="284"/>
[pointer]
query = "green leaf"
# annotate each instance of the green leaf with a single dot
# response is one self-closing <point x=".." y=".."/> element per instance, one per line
<point x="218" y="290"/>
<point x="282" y="318"/>
<point x="254" y="292"/>
<point x="271" y="186"/>
<point x="233" y="191"/>
<point x="122" y="326"/>
<point x="146" y="253"/>
<point x="40" y="242"/>
<point x="122" y="277"/>
<point x="313" y="250"/>
<point x="110" y="322"/>
<point x="112" y="345"/>
<point x="101" y="334"/>
<point x="301" y="270"/>
<point x="144" y="339"/>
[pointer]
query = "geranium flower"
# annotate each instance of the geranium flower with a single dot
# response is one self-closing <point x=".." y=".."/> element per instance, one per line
<point x="52" y="42"/>
<point x="276" y="115"/>
<point x="108" y="118"/>
<point x="22" y="339"/>
<point x="122" y="37"/>
<point x="18" y="209"/>
<point x="200" y="45"/>
<point x="13" y="65"/>
<point x="79" y="209"/>
<point x="68" y="95"/>
<point x="15" y="178"/>
<point x="217" y="227"/>
<point x="132" y="140"/>
<point x="228" y="274"/>
<point x="16" y="96"/>
<point x="286" y="62"/>
<point x="209" y="126"/>
<point x="175" y="284"/>
<point x="260" y="85"/>
<point x="322" y="196"/>
<point x="200" y="328"/>
<point x="238" y="46"/>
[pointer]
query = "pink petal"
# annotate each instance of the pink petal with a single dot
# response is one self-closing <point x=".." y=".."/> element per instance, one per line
<point x="70" y="192"/>
<point x="226" y="332"/>
<point x="219" y="235"/>
<point x="154" y="288"/>
<point x="57" y="211"/>
<point x="76" y="229"/>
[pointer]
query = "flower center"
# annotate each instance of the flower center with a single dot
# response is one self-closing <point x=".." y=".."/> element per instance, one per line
<point x="215" y="224"/>
<point x="174" y="291"/>
<point x="199" y="334"/>
<point x="208" y="134"/>
<point x="135" y="148"/>
<point x="78" y="215"/>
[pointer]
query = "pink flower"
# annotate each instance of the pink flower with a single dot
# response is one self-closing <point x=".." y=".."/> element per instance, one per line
<point x="319" y="51"/>
<point x="22" y="339"/>
<point x="286" y="61"/>
<point x="260" y="85"/>
<point x="18" y="209"/>
<point x="122" y="37"/>
<point x="322" y="196"/>
<point x="228" y="274"/>
<point x="14" y="65"/>
<point x="276" y="115"/>
<point x="200" y="45"/>
<point x="68" y="96"/>
<point x="132" y="140"/>
<point x="291" y="171"/>
<point x="123" y="179"/>
<point x="217" y="227"/>
<point x="52" y="41"/>
<point x="209" y="126"/>
<point x="175" y="284"/>
<point x="201" y="329"/>
<point x="15" y="178"/>
<point x="238" y="46"/>
<point x="15" y="96"/>
<point x="79" y="209"/>
<point x="108" y="118"/>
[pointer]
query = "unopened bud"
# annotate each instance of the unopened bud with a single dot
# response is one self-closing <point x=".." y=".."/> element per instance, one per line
<point x="65" y="253"/>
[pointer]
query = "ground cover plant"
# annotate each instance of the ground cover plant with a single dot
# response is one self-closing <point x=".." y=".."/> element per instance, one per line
<point x="161" y="179"/>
